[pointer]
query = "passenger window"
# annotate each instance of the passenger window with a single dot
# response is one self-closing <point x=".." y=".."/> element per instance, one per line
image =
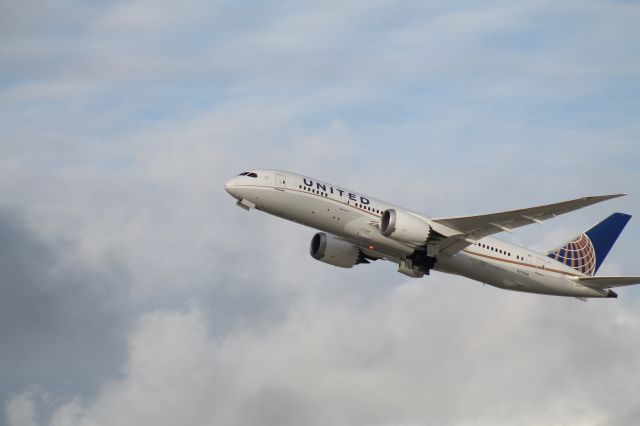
<point x="252" y="174"/>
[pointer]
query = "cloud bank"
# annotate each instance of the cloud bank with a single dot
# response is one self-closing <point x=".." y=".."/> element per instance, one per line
<point x="405" y="358"/>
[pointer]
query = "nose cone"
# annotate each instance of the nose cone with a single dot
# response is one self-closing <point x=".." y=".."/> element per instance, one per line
<point x="231" y="188"/>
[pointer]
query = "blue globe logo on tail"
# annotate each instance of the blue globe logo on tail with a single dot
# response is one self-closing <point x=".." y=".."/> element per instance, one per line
<point x="579" y="254"/>
<point x="586" y="252"/>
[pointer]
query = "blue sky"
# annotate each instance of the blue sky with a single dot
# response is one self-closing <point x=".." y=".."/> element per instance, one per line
<point x="137" y="293"/>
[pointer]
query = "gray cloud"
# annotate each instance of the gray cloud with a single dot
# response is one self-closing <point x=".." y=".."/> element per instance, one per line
<point x="59" y="324"/>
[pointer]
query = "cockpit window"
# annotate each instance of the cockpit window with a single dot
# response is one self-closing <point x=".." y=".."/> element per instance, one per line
<point x="249" y="174"/>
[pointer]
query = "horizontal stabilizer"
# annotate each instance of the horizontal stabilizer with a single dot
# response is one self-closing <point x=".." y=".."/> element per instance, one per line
<point x="606" y="282"/>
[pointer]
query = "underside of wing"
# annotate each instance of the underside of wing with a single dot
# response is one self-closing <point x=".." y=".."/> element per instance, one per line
<point x="606" y="282"/>
<point x="459" y="232"/>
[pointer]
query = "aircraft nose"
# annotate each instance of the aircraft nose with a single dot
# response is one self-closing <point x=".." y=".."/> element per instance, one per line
<point x="230" y="186"/>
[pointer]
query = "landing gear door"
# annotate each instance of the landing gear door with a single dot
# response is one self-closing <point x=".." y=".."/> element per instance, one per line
<point x="281" y="181"/>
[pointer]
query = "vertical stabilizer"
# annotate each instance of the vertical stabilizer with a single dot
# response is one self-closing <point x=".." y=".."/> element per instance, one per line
<point x="586" y="252"/>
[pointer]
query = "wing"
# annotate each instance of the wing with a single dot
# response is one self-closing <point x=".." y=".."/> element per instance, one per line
<point x="459" y="232"/>
<point x="606" y="282"/>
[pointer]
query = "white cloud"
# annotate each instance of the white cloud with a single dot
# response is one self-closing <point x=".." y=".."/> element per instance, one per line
<point x="369" y="49"/>
<point x="21" y="409"/>
<point x="407" y="357"/>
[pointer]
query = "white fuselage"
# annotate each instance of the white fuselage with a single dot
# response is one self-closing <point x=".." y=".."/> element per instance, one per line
<point x="354" y="217"/>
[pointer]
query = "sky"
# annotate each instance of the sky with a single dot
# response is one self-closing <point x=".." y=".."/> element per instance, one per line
<point x="134" y="292"/>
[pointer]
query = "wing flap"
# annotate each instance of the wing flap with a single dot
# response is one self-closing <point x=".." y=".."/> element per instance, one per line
<point x="606" y="282"/>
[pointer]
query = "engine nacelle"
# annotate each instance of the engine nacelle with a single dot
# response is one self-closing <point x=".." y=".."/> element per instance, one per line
<point x="405" y="227"/>
<point x="334" y="251"/>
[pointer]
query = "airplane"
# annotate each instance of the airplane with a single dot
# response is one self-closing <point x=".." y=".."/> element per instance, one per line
<point x="358" y="229"/>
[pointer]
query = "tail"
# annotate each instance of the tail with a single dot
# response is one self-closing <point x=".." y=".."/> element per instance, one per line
<point x="586" y="252"/>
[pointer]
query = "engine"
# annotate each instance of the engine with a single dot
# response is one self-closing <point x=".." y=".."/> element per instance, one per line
<point x="405" y="227"/>
<point x="334" y="251"/>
